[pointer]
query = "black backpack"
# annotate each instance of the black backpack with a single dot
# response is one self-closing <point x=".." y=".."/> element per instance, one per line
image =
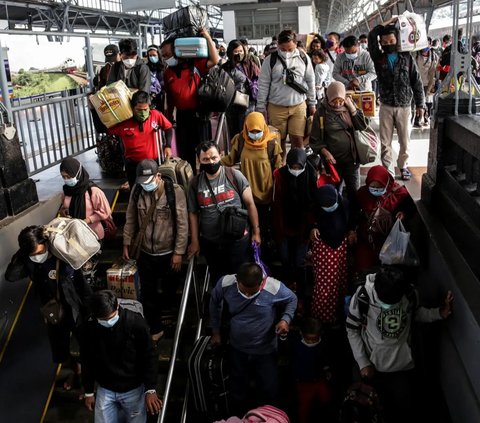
<point x="216" y="91"/>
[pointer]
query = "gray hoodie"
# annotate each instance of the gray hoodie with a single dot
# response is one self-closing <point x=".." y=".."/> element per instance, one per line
<point x="384" y="341"/>
<point x="362" y="68"/>
<point x="271" y="88"/>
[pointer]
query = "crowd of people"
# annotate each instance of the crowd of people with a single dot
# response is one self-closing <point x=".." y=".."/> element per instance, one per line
<point x="304" y="206"/>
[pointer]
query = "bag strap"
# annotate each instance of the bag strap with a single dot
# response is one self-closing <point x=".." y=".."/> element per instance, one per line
<point x="57" y="280"/>
<point x="172" y="203"/>
<point x="230" y="175"/>
<point x="212" y="193"/>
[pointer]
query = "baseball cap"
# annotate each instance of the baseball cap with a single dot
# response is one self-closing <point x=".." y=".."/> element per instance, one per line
<point x="111" y="50"/>
<point x="145" y="170"/>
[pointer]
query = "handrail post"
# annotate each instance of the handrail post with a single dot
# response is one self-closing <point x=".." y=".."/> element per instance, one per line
<point x="4" y="86"/>
<point x="89" y="61"/>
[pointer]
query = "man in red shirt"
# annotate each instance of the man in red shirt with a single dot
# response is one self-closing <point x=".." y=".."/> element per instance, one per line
<point x="138" y="134"/>
<point x="181" y="81"/>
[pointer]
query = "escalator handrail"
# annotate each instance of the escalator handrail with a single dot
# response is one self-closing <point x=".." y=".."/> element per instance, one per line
<point x="176" y="339"/>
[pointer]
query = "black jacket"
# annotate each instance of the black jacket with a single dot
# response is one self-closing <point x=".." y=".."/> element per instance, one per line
<point x="139" y="76"/>
<point x="396" y="88"/>
<point x="120" y="358"/>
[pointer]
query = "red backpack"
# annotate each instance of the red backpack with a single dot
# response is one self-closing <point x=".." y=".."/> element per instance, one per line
<point x="266" y="414"/>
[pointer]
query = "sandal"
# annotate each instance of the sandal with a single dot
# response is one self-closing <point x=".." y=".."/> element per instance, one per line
<point x="406" y="174"/>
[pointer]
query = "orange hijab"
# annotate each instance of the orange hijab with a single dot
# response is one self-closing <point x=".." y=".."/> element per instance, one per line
<point x="256" y="122"/>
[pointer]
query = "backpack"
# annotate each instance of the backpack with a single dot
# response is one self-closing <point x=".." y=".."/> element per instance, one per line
<point x="274" y="58"/>
<point x="132" y="305"/>
<point x="267" y="414"/>
<point x="178" y="170"/>
<point x="361" y="405"/>
<point x="72" y="241"/>
<point x="216" y="90"/>
<point x="270" y="147"/>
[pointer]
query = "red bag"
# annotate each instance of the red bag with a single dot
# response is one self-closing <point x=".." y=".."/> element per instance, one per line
<point x="109" y="228"/>
<point x="330" y="178"/>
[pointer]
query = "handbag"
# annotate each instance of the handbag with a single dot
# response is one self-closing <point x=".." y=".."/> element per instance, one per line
<point x="109" y="228"/>
<point x="366" y="144"/>
<point x="241" y="99"/>
<point x="233" y="220"/>
<point x="53" y="311"/>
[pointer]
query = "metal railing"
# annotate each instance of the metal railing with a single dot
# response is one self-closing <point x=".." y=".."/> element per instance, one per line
<point x="190" y="280"/>
<point x="53" y="129"/>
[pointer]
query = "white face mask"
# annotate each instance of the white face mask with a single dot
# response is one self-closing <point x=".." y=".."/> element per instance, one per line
<point x="110" y="323"/>
<point x="129" y="63"/>
<point x="310" y="344"/>
<point x="286" y="54"/>
<point x="246" y="296"/>
<point x="171" y="62"/>
<point x="40" y="258"/>
<point x="296" y="172"/>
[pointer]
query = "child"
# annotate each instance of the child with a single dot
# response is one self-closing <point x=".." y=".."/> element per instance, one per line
<point x="311" y="357"/>
<point x="322" y="72"/>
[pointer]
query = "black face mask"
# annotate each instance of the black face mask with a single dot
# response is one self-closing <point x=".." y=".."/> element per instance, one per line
<point x="389" y="48"/>
<point x="222" y="53"/>
<point x="210" y="168"/>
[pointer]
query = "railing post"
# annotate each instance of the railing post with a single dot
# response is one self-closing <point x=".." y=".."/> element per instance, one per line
<point x="89" y="61"/>
<point x="4" y="86"/>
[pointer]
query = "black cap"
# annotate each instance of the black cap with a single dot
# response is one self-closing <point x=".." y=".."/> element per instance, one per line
<point x="145" y="170"/>
<point x="110" y="51"/>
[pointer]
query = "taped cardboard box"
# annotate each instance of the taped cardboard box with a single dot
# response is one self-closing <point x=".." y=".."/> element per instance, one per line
<point x="123" y="280"/>
<point x="364" y="100"/>
<point x="412" y="32"/>
<point x="112" y="103"/>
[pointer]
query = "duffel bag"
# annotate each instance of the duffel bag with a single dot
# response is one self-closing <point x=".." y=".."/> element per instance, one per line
<point x="216" y="91"/>
<point x="72" y="241"/>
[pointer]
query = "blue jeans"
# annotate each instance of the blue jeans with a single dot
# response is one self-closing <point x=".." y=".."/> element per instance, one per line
<point x="109" y="403"/>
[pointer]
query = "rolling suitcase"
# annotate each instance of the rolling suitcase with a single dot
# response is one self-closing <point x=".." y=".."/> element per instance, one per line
<point x="191" y="47"/>
<point x="209" y="378"/>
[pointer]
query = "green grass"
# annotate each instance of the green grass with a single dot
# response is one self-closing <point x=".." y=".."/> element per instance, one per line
<point x="28" y="83"/>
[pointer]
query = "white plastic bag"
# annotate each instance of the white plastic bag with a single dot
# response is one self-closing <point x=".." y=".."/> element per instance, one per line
<point x="397" y="248"/>
<point x="412" y="32"/>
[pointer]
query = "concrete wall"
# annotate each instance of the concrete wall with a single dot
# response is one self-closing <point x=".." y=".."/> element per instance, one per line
<point x="306" y="20"/>
<point x="229" y="27"/>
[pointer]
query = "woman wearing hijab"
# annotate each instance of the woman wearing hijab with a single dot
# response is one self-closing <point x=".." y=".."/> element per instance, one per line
<point x="82" y="199"/>
<point x="332" y="134"/>
<point x="294" y="186"/>
<point x="156" y="76"/>
<point x="331" y="232"/>
<point x="244" y="72"/>
<point x="381" y="201"/>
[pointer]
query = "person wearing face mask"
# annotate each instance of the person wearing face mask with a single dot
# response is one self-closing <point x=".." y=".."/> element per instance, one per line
<point x="311" y="361"/>
<point x="131" y="69"/>
<point x="381" y="200"/>
<point x="354" y="67"/>
<point x="332" y="48"/>
<point x="82" y="199"/>
<point x="156" y="67"/>
<point x="427" y="61"/>
<point x="34" y="260"/>
<point x="331" y="233"/>
<point x="287" y="89"/>
<point x="181" y="81"/>
<point x="380" y="339"/>
<point x="294" y="186"/>
<point x="332" y="135"/>
<point x="398" y="83"/>
<point x="222" y="52"/>
<point x="363" y="42"/>
<point x="164" y="241"/>
<point x="253" y="331"/>
<point x="119" y="359"/>
<point x="230" y="188"/>
<point x="138" y="134"/>
<point x="244" y="72"/>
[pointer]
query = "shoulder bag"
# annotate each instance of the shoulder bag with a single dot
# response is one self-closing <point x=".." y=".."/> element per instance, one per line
<point x="53" y="311"/>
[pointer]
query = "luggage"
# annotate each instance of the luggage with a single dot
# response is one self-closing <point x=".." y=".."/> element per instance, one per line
<point x="21" y="196"/>
<point x="216" y="91"/>
<point x="208" y="373"/>
<point x="110" y="155"/>
<point x="178" y="170"/>
<point x="412" y="32"/>
<point x="72" y="241"/>
<point x="267" y="414"/>
<point x="361" y="405"/>
<point x="132" y="305"/>
<point x="12" y="165"/>
<point x="112" y="103"/>
<point x="185" y="22"/>
<point x="191" y="47"/>
<point x="364" y="100"/>
<point x="123" y="280"/>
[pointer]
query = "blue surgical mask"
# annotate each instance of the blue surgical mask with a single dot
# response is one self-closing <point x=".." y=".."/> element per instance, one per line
<point x="377" y="192"/>
<point x="40" y="258"/>
<point x="171" y="62"/>
<point x="351" y="56"/>
<point x="385" y="306"/>
<point x="331" y="208"/>
<point x="255" y="136"/>
<point x="110" y="323"/>
<point x="152" y="186"/>
<point x="153" y="59"/>
<point x="364" y="46"/>
<point x="70" y="182"/>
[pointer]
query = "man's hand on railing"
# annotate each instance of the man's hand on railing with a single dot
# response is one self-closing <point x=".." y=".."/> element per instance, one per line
<point x="153" y="403"/>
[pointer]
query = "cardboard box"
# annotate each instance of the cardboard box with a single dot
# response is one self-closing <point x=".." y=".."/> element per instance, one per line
<point x="112" y="103"/>
<point x="412" y="32"/>
<point x="364" y="100"/>
<point x="123" y="279"/>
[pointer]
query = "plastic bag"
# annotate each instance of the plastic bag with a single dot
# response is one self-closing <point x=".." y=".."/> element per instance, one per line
<point x="397" y="248"/>
<point x="256" y="255"/>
